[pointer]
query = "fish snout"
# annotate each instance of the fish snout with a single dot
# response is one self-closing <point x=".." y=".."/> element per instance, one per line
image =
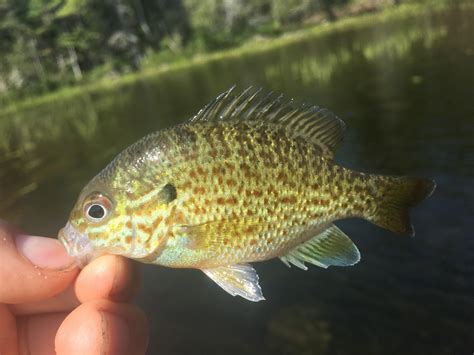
<point x="76" y="244"/>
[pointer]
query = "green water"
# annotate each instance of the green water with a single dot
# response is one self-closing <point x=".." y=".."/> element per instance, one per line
<point x="406" y="92"/>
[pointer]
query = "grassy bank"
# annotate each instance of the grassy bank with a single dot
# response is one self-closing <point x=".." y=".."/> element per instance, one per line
<point x="155" y="67"/>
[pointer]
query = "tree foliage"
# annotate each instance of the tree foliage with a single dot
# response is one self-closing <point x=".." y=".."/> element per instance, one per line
<point x="50" y="43"/>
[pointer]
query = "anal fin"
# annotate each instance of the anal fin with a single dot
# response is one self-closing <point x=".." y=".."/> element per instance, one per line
<point x="238" y="280"/>
<point x="330" y="247"/>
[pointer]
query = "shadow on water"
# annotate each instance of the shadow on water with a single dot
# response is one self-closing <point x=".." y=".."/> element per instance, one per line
<point x="405" y="90"/>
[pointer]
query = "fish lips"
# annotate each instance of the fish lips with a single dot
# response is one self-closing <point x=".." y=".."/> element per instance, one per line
<point x="77" y="244"/>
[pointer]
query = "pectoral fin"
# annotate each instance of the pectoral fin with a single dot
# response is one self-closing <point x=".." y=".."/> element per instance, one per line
<point x="212" y="234"/>
<point x="331" y="247"/>
<point x="239" y="279"/>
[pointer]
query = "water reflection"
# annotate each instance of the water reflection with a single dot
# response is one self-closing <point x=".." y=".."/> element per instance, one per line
<point x="299" y="330"/>
<point x="405" y="91"/>
<point x="375" y="47"/>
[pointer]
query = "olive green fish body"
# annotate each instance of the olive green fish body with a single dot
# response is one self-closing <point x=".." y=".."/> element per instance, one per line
<point x="249" y="178"/>
<point x="244" y="193"/>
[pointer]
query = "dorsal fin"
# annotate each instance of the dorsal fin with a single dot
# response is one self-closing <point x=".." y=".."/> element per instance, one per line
<point x="316" y="125"/>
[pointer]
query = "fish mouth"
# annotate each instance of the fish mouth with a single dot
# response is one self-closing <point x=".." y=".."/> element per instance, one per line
<point x="77" y="244"/>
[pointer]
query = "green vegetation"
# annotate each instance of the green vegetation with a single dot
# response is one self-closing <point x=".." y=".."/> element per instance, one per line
<point x="88" y="45"/>
<point x="49" y="44"/>
<point x="55" y="44"/>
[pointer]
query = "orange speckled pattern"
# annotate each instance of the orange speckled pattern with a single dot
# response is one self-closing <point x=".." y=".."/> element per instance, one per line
<point x="249" y="178"/>
<point x="253" y="192"/>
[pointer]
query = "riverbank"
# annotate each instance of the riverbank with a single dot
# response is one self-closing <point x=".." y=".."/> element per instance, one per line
<point x="351" y="19"/>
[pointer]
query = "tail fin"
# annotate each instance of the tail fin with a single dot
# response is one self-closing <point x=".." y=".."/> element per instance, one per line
<point x="398" y="195"/>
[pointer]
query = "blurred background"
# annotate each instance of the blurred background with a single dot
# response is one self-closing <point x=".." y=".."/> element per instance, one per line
<point x="80" y="80"/>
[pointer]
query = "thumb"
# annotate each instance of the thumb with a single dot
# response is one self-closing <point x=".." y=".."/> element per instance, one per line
<point x="32" y="268"/>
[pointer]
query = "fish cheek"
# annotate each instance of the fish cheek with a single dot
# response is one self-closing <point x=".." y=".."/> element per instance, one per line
<point x="92" y="236"/>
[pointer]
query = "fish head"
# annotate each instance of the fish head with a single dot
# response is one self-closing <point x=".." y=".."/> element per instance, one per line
<point x="114" y="216"/>
<point x="97" y="223"/>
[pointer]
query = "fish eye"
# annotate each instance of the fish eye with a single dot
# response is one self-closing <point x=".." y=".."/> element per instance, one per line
<point x="96" y="211"/>
<point x="97" y="207"/>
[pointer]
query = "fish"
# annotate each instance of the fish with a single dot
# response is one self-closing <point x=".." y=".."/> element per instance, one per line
<point x="250" y="177"/>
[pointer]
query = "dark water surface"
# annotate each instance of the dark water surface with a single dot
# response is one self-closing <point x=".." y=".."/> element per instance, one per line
<point x="406" y="92"/>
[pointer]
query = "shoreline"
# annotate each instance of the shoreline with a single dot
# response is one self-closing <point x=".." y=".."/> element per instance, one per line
<point x="254" y="45"/>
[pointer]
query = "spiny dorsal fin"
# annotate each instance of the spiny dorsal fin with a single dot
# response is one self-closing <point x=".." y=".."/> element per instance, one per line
<point x="316" y="125"/>
<point x="330" y="247"/>
<point x="238" y="280"/>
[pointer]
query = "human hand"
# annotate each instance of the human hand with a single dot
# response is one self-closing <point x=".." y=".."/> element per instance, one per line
<point x="49" y="306"/>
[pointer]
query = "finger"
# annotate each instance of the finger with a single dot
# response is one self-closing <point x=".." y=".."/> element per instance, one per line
<point x="103" y="327"/>
<point x="65" y="301"/>
<point x="32" y="268"/>
<point x="108" y="277"/>
<point x="8" y="335"/>
<point x="36" y="333"/>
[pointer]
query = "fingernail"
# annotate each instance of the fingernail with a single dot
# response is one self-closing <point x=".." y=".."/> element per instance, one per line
<point x="116" y="334"/>
<point x="46" y="253"/>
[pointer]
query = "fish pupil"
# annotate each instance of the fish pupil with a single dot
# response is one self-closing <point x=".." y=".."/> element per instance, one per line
<point x="96" y="211"/>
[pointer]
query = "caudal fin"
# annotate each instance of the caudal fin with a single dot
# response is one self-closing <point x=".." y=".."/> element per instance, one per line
<point x="396" y="196"/>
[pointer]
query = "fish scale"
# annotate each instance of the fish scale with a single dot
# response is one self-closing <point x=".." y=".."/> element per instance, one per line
<point x="284" y="200"/>
<point x="249" y="178"/>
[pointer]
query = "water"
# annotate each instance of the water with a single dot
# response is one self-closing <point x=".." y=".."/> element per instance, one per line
<point x="405" y="90"/>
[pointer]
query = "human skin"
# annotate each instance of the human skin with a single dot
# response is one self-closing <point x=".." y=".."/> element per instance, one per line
<point x="49" y="306"/>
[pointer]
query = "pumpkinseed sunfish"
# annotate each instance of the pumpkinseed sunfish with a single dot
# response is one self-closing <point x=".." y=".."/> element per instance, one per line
<point x="250" y="177"/>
